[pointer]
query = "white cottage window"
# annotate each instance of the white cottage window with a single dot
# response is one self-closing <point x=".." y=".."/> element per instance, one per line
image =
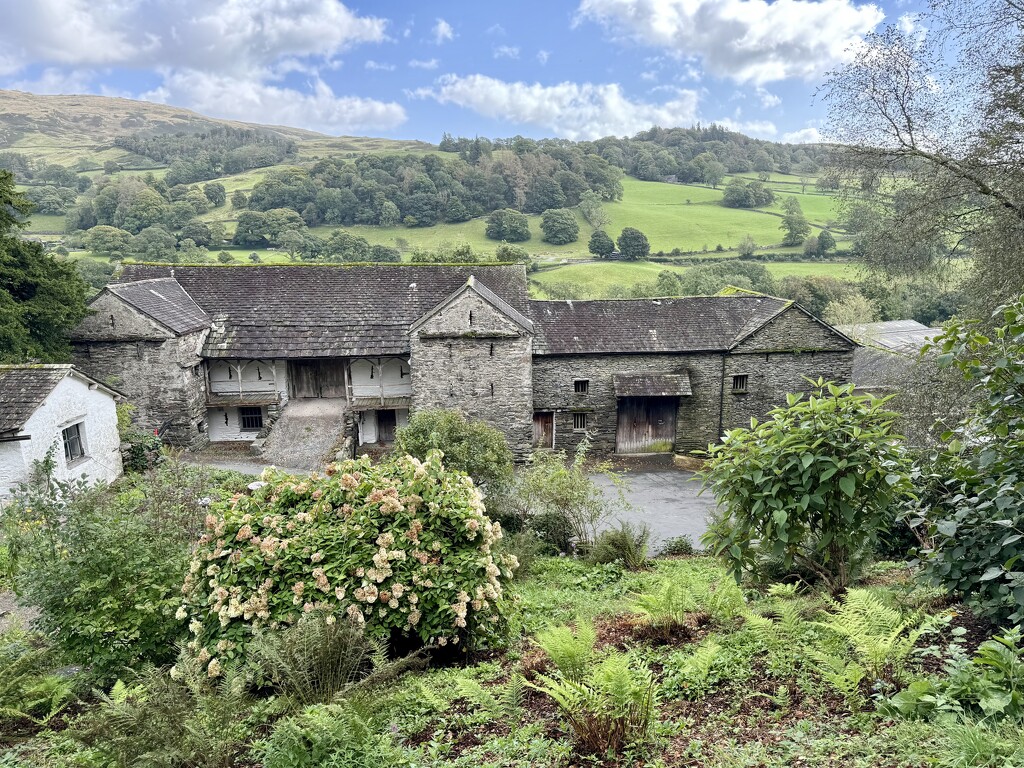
<point x="73" y="438"/>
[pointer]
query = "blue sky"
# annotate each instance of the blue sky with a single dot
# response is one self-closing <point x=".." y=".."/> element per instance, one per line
<point x="403" y="69"/>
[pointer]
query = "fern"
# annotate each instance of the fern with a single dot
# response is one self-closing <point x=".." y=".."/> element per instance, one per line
<point x="693" y="675"/>
<point x="784" y="637"/>
<point x="609" y="709"/>
<point x="503" y="702"/>
<point x="667" y="607"/>
<point x="570" y="651"/>
<point x="845" y="676"/>
<point x="879" y="637"/>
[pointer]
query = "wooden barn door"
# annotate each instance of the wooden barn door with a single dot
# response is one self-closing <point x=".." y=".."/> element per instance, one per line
<point x="304" y="377"/>
<point x="386" y="423"/>
<point x="543" y="429"/>
<point x="646" y="424"/>
<point x="317" y="378"/>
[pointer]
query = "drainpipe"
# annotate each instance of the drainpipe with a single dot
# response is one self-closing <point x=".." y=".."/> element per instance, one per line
<point x="721" y="401"/>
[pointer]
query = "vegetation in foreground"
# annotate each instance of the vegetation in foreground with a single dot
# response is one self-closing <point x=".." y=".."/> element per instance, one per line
<point x="377" y="615"/>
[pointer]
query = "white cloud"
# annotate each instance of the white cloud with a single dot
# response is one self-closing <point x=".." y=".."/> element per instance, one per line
<point x="542" y="57"/>
<point x="424" y="63"/>
<point x="442" y="32"/>
<point x="253" y="101"/>
<point x="768" y="99"/>
<point x="231" y="36"/>
<point x="379" y="66"/>
<point x="53" y="80"/>
<point x="496" y="29"/>
<point x="649" y="76"/>
<point x="758" y="128"/>
<point x="506" y="52"/>
<point x="746" y="40"/>
<point x="803" y="136"/>
<point x="570" y="110"/>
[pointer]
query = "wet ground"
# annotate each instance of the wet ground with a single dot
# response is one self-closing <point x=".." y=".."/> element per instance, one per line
<point x="659" y="494"/>
<point x="663" y="497"/>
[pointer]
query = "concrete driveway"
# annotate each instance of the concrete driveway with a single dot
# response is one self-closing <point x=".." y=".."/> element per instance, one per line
<point x="665" y="499"/>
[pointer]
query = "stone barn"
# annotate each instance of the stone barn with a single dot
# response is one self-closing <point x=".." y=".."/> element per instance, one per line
<point x="309" y="358"/>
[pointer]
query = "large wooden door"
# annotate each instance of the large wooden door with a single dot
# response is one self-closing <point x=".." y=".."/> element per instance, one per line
<point x="646" y="424"/>
<point x="543" y="429"/>
<point x="317" y="378"/>
<point x="304" y="377"/>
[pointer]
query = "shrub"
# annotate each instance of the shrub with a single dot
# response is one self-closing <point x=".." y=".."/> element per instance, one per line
<point x="677" y="546"/>
<point x="473" y="447"/>
<point x="28" y="692"/>
<point x="334" y="736"/>
<point x="626" y="544"/>
<point x="140" y="449"/>
<point x="403" y="547"/>
<point x="562" y="503"/>
<point x="104" y="566"/>
<point x="170" y="720"/>
<point x="972" y="501"/>
<point x="559" y="226"/>
<point x="312" y="660"/>
<point x="814" y="482"/>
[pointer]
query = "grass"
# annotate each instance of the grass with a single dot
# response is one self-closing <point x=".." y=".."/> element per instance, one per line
<point x="596" y="278"/>
<point x="662" y="213"/>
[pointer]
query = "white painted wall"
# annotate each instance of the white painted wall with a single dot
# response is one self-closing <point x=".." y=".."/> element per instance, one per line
<point x="257" y="376"/>
<point x="71" y="402"/>
<point x="370" y="373"/>
<point x="367" y="421"/>
<point x="225" y="424"/>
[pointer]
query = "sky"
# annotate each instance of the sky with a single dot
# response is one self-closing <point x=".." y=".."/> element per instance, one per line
<point x="408" y="69"/>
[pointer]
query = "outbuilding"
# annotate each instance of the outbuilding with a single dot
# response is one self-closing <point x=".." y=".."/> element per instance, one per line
<point x="58" y="409"/>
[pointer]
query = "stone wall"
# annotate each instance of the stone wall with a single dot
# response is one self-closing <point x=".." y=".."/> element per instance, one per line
<point x="164" y="380"/>
<point x="553" y="378"/>
<point x="479" y="364"/>
<point x="778" y="359"/>
<point x="160" y="373"/>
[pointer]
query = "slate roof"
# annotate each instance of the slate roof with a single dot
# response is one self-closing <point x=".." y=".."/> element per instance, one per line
<point x="285" y="311"/>
<point x="689" y="324"/>
<point x="23" y="388"/>
<point x="651" y="384"/>
<point x="164" y="300"/>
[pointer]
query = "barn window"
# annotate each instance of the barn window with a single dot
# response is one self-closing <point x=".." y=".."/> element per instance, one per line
<point x="739" y="383"/>
<point x="74" y="442"/>
<point x="251" y="418"/>
<point x="581" y="386"/>
<point x="492" y="350"/>
<point x="471" y="318"/>
<point x="579" y="422"/>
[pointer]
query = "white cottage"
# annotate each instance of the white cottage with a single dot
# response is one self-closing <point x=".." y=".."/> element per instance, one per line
<point x="58" y="407"/>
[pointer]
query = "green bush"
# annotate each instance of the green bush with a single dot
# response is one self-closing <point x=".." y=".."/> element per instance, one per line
<point x="814" y="482"/>
<point x="140" y="449"/>
<point x="29" y="692"/>
<point x="971" y="507"/>
<point x="403" y="547"/>
<point x="473" y="447"/>
<point x="104" y="565"/>
<point x="626" y="544"/>
<point x="331" y="736"/>
<point x="677" y="546"/>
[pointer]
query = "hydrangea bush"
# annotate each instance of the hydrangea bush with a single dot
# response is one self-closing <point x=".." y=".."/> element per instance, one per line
<point x="401" y="547"/>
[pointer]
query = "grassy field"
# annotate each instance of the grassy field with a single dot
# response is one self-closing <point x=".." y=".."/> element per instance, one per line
<point x="595" y="279"/>
<point x="691" y="218"/>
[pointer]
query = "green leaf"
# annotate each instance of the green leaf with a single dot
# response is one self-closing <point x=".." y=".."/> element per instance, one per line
<point x="848" y="484"/>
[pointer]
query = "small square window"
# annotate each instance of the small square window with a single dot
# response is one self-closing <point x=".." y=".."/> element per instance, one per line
<point x="739" y="383"/>
<point x="579" y="422"/>
<point x="581" y="386"/>
<point x="74" y="443"/>
<point x="251" y="418"/>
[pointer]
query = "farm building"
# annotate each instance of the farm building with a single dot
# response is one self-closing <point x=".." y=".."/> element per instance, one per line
<point x="58" y="409"/>
<point x="317" y="357"/>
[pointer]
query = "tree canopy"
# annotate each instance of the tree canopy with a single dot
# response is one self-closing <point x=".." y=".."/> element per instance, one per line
<point x="41" y="298"/>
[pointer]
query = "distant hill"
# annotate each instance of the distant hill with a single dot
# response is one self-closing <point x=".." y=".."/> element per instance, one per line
<point x="63" y="129"/>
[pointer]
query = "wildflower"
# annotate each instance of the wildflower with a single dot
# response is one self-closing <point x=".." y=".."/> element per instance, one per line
<point x="316" y="557"/>
<point x="213" y="669"/>
<point x="181" y="614"/>
<point x="349" y="482"/>
<point x="339" y="592"/>
<point x="244" y="533"/>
